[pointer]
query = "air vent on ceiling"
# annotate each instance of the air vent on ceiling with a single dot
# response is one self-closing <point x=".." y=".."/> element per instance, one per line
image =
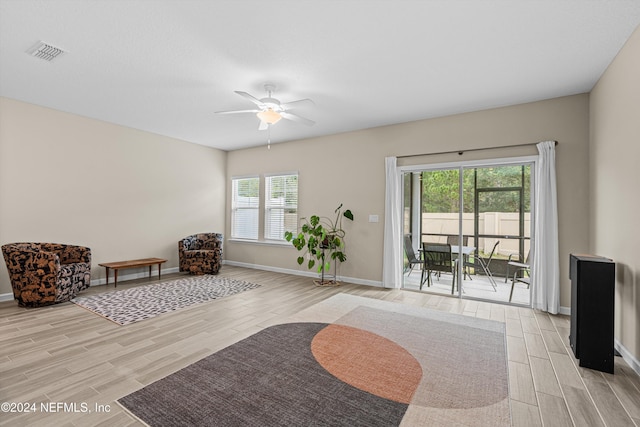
<point x="45" y="51"/>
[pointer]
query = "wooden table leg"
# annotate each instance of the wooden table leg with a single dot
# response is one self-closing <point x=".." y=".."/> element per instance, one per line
<point x="115" y="276"/>
<point x="159" y="268"/>
<point x="149" y="272"/>
<point x="107" y="268"/>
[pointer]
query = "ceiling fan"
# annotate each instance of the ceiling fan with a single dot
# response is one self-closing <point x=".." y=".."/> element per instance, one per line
<point x="270" y="110"/>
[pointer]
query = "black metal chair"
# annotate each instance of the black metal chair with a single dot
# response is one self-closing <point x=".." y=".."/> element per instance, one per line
<point x="439" y="259"/>
<point x="521" y="268"/>
<point x="486" y="266"/>
<point x="414" y="260"/>
<point x="515" y="261"/>
<point x="454" y="241"/>
<point x="493" y="251"/>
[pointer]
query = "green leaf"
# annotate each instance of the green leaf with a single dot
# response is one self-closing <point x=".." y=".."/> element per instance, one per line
<point x="312" y="262"/>
<point x="300" y="260"/>
<point x="326" y="266"/>
<point x="348" y="214"/>
<point x="299" y="243"/>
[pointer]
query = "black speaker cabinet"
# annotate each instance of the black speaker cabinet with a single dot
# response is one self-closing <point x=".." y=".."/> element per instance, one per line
<point x="592" y="291"/>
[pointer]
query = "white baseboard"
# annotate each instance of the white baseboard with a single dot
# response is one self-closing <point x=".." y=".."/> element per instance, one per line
<point x="354" y="280"/>
<point x="142" y="274"/>
<point x="565" y="310"/>
<point x="627" y="356"/>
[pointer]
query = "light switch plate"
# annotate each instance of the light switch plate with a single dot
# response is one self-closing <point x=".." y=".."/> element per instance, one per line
<point x="373" y="218"/>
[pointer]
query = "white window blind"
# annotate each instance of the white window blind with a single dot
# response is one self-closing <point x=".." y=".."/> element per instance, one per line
<point x="281" y="206"/>
<point x="245" y="206"/>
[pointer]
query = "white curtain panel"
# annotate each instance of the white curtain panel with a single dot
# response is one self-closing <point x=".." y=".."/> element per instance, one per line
<point x="545" y="269"/>
<point x="392" y="254"/>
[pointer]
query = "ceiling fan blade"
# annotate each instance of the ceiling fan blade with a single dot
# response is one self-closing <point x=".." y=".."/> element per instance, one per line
<point x="296" y="118"/>
<point x="250" y="98"/>
<point x="298" y="103"/>
<point x="237" y="111"/>
<point x="263" y="125"/>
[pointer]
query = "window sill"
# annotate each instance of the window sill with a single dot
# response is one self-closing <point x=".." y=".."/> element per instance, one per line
<point x="279" y="243"/>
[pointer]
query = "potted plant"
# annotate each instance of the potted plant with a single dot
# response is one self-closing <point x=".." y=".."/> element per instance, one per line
<point x="322" y="240"/>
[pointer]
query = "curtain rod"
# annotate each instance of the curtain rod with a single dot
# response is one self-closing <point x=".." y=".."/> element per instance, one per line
<point x="461" y="152"/>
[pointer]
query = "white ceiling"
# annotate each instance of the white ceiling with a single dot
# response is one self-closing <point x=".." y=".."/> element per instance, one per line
<point x="166" y="66"/>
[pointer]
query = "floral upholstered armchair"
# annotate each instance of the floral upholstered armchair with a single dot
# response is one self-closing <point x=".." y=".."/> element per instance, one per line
<point x="201" y="253"/>
<point x="47" y="273"/>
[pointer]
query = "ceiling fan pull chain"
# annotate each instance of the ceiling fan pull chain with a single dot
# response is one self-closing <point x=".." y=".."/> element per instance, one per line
<point x="268" y="136"/>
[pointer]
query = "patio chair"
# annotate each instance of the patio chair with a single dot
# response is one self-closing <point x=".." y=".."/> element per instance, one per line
<point x="487" y="264"/>
<point x="454" y="241"/>
<point x="439" y="259"/>
<point x="521" y="268"/>
<point x="514" y="261"/>
<point x="490" y="257"/>
<point x="413" y="259"/>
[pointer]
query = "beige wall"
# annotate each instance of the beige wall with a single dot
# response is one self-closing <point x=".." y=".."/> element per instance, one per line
<point x="349" y="168"/>
<point x="129" y="194"/>
<point x="615" y="184"/>
<point x="125" y="193"/>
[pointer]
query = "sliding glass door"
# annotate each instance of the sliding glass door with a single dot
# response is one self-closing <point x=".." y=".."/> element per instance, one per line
<point x="470" y="228"/>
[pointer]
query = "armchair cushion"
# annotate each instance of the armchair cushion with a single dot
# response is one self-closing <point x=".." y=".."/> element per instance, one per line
<point x="201" y="253"/>
<point x="47" y="273"/>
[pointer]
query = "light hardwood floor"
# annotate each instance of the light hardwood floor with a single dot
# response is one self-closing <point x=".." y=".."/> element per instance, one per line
<point x="66" y="354"/>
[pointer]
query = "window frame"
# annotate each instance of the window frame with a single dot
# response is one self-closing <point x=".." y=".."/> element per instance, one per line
<point x="235" y="210"/>
<point x="286" y="208"/>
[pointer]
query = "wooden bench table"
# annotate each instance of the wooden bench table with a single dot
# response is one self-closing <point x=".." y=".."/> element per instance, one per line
<point x="132" y="264"/>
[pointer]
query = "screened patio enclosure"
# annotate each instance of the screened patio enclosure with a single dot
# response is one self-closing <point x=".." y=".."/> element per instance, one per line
<point x="482" y="216"/>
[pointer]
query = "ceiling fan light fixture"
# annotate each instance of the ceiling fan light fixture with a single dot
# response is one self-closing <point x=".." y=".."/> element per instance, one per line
<point x="269" y="116"/>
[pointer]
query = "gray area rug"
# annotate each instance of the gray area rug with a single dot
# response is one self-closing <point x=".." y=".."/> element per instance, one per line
<point x="372" y="364"/>
<point x="269" y="379"/>
<point x="144" y="302"/>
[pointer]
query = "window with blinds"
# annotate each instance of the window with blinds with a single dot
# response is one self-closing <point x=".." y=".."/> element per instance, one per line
<point x="245" y="205"/>
<point x="281" y="206"/>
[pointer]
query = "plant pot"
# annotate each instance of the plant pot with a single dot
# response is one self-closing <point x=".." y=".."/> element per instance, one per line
<point x="326" y="283"/>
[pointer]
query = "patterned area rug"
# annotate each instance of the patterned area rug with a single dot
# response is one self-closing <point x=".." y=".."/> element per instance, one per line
<point x="143" y="302"/>
<point x="348" y="361"/>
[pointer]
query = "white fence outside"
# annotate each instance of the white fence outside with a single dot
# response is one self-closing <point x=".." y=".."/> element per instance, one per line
<point x="496" y="223"/>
